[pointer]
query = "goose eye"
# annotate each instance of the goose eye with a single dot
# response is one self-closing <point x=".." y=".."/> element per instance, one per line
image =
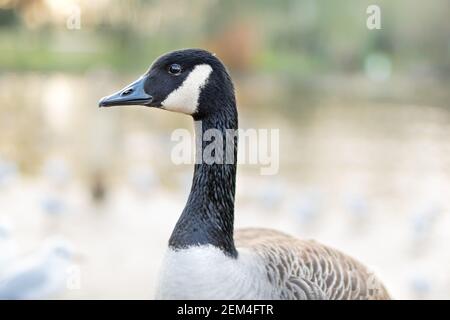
<point x="175" y="69"/>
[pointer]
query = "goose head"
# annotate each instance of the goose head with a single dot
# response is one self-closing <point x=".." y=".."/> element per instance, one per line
<point x="183" y="81"/>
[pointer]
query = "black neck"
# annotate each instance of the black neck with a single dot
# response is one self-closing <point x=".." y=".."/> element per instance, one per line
<point x="208" y="217"/>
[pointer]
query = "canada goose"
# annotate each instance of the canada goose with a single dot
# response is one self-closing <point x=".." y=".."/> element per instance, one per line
<point x="205" y="260"/>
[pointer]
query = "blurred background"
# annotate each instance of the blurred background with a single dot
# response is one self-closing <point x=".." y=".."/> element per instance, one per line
<point x="364" y="119"/>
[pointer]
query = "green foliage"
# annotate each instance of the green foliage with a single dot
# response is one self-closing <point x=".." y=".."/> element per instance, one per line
<point x="292" y="36"/>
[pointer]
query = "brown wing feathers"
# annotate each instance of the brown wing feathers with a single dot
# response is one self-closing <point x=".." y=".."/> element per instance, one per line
<point x="301" y="269"/>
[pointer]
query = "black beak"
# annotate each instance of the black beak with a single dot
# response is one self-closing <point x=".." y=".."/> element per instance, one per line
<point x="133" y="94"/>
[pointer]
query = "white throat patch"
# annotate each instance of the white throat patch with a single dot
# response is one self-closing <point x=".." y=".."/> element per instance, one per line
<point x="185" y="98"/>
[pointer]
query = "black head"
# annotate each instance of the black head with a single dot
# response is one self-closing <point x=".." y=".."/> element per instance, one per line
<point x="180" y="81"/>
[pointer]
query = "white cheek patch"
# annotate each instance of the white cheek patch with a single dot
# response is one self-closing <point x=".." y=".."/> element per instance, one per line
<point x="185" y="98"/>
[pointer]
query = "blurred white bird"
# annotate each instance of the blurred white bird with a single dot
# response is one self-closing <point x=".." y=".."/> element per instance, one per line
<point x="270" y="195"/>
<point x="420" y="286"/>
<point x="40" y="276"/>
<point x="52" y="204"/>
<point x="307" y="208"/>
<point x="357" y="207"/>
<point x="423" y="222"/>
<point x="57" y="172"/>
<point x="54" y="207"/>
<point x="8" y="246"/>
<point x="53" y="198"/>
<point x="424" y="219"/>
<point x="8" y="171"/>
<point x="142" y="179"/>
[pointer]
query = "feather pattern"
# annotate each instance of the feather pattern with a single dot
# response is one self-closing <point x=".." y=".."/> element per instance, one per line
<point x="306" y="269"/>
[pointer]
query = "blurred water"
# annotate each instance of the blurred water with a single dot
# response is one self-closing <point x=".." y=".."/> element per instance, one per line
<point x="358" y="174"/>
